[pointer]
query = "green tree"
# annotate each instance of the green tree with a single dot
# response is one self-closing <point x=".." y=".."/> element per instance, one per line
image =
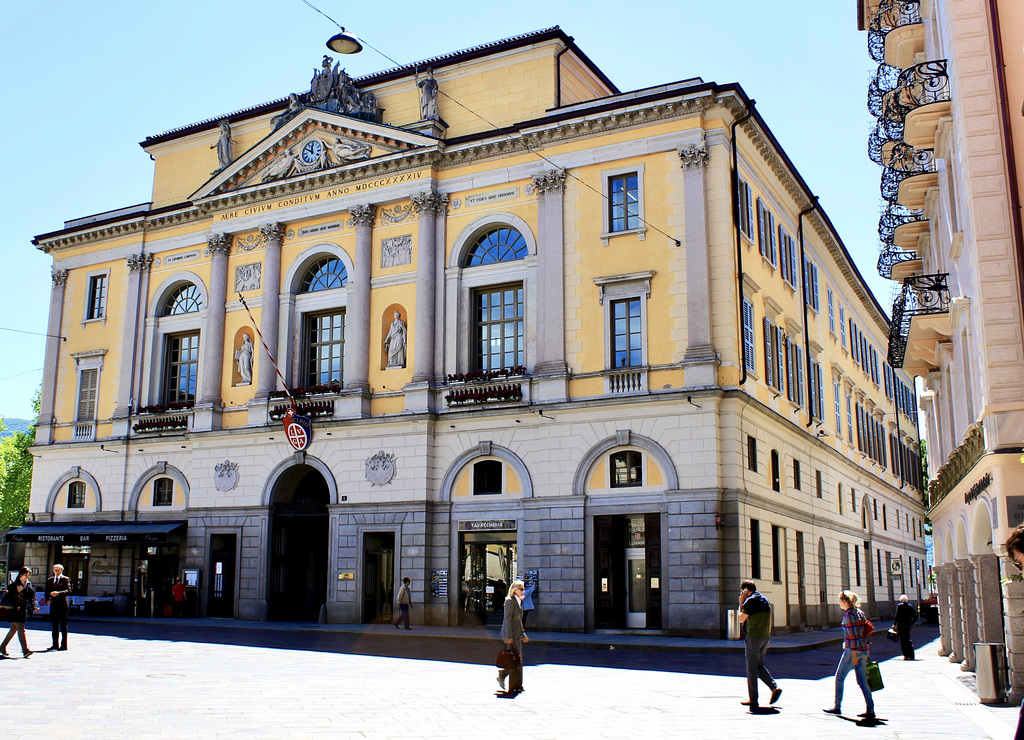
<point x="16" y="473"/>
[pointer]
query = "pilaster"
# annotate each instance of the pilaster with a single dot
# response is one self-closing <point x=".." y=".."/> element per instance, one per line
<point x="208" y="408"/>
<point x="1013" y="625"/>
<point x="357" y="323"/>
<point x="270" y="309"/>
<point x="956" y="607"/>
<point x="549" y="369"/>
<point x="970" y="615"/>
<point x="47" y="396"/>
<point x="945" y="586"/>
<point x="132" y="344"/>
<point x="429" y="205"/>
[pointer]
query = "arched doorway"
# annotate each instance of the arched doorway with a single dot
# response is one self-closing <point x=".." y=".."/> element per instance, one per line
<point x="298" y="545"/>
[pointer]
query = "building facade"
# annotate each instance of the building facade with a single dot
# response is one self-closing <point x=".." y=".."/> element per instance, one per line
<point x="947" y="78"/>
<point x="605" y="341"/>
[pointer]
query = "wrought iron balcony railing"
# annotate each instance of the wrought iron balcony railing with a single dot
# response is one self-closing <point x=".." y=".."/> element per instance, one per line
<point x="923" y="84"/>
<point x="891" y="257"/>
<point x="881" y="139"/>
<point x="904" y="161"/>
<point x="921" y="295"/>
<point x="891" y="14"/>
<point x="892" y="218"/>
<point x="883" y="95"/>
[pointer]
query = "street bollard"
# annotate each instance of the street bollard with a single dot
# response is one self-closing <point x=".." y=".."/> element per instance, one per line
<point x="990" y="669"/>
<point x="732" y="624"/>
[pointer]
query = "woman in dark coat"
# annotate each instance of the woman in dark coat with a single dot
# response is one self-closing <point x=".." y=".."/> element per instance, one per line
<point x="905" y="618"/>
<point x="512" y="634"/>
<point x="22" y="597"/>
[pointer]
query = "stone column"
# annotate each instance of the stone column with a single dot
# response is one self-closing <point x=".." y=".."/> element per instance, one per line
<point x="990" y="598"/>
<point x="428" y="205"/>
<point x="357" y="317"/>
<point x="971" y="617"/>
<point x="699" y="358"/>
<point x="550" y="359"/>
<point x="956" y="605"/>
<point x="44" y="429"/>
<point x="944" y="589"/>
<point x="270" y="309"/>
<point x="211" y="364"/>
<point x="1013" y="625"/>
<point x="134" y="328"/>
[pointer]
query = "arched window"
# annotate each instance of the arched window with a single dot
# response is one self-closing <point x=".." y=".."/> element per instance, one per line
<point x="325" y="274"/>
<point x="183" y="299"/>
<point x="76" y="495"/>
<point x="502" y="244"/>
<point x="163" y="492"/>
<point x="627" y="469"/>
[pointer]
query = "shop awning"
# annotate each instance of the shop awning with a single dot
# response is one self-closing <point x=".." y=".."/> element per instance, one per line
<point x="85" y="533"/>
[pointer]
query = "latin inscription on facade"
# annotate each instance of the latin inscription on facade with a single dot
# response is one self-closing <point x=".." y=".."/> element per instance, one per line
<point x="183" y="257"/>
<point x="495" y="196"/>
<point x="320" y="229"/>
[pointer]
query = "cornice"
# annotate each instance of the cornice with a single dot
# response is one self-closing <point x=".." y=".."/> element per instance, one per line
<point x="112" y="231"/>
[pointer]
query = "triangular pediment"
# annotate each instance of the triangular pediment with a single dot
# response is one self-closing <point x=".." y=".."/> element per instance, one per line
<point x="313" y="141"/>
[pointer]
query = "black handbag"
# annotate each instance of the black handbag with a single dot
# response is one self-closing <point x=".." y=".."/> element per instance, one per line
<point x="508" y="659"/>
<point x="893" y="635"/>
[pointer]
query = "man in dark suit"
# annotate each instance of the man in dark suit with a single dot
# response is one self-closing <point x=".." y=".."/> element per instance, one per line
<point x="57" y="589"/>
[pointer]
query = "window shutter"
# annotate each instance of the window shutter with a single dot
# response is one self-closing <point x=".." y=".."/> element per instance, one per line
<point x="780" y="362"/>
<point x="761" y="235"/>
<point x="748" y="334"/>
<point x="769" y="357"/>
<point x="783" y="256"/>
<point x="815" y="303"/>
<point x="750" y="209"/>
<point x="87" y="395"/>
<point x="799" y="376"/>
<point x="772" y="239"/>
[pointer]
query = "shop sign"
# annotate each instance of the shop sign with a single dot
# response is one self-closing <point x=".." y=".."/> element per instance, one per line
<point x="1014" y="511"/>
<point x="977" y="488"/>
<point x="488" y="525"/>
<point x="103" y="567"/>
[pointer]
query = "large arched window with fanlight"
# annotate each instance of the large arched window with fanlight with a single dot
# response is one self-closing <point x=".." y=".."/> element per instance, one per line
<point x="181" y="353"/>
<point x="498" y="315"/>
<point x="324" y="274"/>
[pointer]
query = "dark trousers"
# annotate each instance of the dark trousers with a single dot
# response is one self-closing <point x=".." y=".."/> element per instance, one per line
<point x="754" y="651"/>
<point x="906" y="646"/>
<point x="59" y="623"/>
<point x="514" y="675"/>
<point x="403" y="615"/>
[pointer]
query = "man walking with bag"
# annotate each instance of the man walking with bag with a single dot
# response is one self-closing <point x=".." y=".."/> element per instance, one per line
<point x="404" y="602"/>
<point x="57" y="589"/>
<point x="756" y="613"/>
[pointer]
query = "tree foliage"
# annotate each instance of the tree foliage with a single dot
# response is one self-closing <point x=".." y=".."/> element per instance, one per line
<point x="16" y="473"/>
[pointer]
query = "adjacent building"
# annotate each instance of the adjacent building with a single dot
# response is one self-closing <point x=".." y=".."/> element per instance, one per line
<point x="541" y="327"/>
<point x="947" y="97"/>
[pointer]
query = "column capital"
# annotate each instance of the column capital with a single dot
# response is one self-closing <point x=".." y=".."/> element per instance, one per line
<point x="430" y="203"/>
<point x="218" y="244"/>
<point x="549" y="182"/>
<point x="139" y="262"/>
<point x="362" y="215"/>
<point x="59" y="277"/>
<point x="273" y="232"/>
<point x="694" y="156"/>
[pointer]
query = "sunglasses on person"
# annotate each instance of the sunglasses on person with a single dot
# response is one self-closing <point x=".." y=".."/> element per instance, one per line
<point x="1017" y="563"/>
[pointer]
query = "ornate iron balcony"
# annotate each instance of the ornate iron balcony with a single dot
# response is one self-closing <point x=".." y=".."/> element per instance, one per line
<point x="883" y="136"/>
<point x="892" y="218"/>
<point x="921" y="295"/>
<point x="923" y="84"/>
<point x="904" y="161"/>
<point x="883" y="94"/>
<point x="893" y="256"/>
<point x="891" y="14"/>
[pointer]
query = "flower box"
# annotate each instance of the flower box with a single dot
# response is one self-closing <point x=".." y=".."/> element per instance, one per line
<point x="165" y="408"/>
<point x="161" y="424"/>
<point x="512" y="393"/>
<point x="485" y="376"/>
<point x="312" y="409"/>
<point x="323" y="389"/>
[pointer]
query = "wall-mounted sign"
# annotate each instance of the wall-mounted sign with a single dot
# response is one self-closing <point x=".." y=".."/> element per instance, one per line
<point x="495" y="196"/>
<point x="1014" y="511"/>
<point x="977" y="488"/>
<point x="439" y="584"/>
<point x="488" y="525"/>
<point x="319" y="229"/>
<point x="298" y="429"/>
<point x="182" y="257"/>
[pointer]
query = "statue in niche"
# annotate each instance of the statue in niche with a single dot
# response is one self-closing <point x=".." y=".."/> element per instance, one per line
<point x="223" y="146"/>
<point x="243" y="359"/>
<point x="394" y="343"/>
<point x="428" y="97"/>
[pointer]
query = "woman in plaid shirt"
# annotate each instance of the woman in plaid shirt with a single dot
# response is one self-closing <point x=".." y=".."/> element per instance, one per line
<point x="856" y="645"/>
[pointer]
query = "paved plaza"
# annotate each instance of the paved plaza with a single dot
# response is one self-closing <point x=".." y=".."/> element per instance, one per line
<point x="203" y="678"/>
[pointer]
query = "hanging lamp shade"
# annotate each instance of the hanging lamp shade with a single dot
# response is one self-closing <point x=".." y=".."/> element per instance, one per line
<point x="344" y="43"/>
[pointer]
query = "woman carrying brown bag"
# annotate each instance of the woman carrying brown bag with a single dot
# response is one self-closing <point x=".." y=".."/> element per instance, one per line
<point x="512" y="634"/>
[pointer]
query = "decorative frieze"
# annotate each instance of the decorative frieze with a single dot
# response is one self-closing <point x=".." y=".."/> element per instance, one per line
<point x="362" y="215"/>
<point x="250" y="242"/>
<point x="693" y="156"/>
<point x="551" y="181"/>
<point x="395" y="215"/>
<point x="139" y="262"/>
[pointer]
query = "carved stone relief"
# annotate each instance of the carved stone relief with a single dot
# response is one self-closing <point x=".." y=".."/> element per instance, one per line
<point x="396" y="251"/>
<point x="381" y="468"/>
<point x="248" y="277"/>
<point x="225" y="476"/>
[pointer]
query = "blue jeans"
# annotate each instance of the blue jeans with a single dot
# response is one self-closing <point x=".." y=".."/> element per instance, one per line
<point x="845" y="666"/>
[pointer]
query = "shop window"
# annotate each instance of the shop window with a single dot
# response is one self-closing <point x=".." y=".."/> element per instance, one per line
<point x="325" y="274"/>
<point x="776" y="475"/>
<point x="627" y="469"/>
<point x="498" y="331"/>
<point x="487" y="477"/>
<point x="325" y="348"/>
<point x="163" y="492"/>
<point x="502" y="244"/>
<point x="96" y="306"/>
<point x="76" y="495"/>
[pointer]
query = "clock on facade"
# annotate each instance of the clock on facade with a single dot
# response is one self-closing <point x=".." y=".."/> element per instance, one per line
<point x="312" y="151"/>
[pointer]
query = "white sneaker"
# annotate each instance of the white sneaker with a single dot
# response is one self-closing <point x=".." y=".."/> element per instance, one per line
<point x="501" y="683"/>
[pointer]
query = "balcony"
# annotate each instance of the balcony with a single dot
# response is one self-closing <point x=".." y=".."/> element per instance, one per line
<point x="898" y="230"/>
<point x="907" y="174"/>
<point x="895" y="33"/>
<point x="924" y="97"/>
<point x="624" y="381"/>
<point x="503" y="387"/>
<point x="84" y="431"/>
<point x="893" y="263"/>
<point x="170" y="419"/>
<point x="926" y="299"/>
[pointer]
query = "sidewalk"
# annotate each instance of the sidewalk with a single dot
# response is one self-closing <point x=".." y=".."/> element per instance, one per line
<point x="785" y="643"/>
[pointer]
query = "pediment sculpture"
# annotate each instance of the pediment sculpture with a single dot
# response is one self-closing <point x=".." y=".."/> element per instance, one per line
<point x="315" y="153"/>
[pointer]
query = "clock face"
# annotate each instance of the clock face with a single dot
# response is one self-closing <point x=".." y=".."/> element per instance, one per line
<point x="312" y="151"/>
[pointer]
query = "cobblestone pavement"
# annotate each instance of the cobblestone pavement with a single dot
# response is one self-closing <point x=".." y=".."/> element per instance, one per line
<point x="173" y="681"/>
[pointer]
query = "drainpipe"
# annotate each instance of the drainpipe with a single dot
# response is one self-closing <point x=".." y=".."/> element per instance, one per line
<point x="558" y="76"/>
<point x="739" y="237"/>
<point x="803" y="295"/>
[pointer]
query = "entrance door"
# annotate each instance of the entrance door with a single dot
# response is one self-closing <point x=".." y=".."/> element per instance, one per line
<point x="801" y="578"/>
<point x="488" y="569"/>
<point x="298" y="554"/>
<point x="627" y="566"/>
<point x="378" y="576"/>
<point x="76" y="567"/>
<point x="222" y="576"/>
<point x="636" y="593"/>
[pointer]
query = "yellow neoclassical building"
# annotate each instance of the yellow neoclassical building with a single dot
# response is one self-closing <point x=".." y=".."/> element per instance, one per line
<point x="540" y="327"/>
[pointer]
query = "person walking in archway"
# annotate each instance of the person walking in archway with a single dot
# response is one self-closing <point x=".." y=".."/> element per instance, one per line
<point x="905" y="618"/>
<point x="404" y="602"/>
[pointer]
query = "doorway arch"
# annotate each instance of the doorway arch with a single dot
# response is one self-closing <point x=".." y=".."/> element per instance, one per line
<point x="299" y="535"/>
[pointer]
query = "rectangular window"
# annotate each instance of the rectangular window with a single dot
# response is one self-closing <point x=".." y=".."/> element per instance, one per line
<point x="854" y="343"/>
<point x="182" y="368"/>
<point x="790" y="369"/>
<point x="746" y="207"/>
<point x="780" y="358"/>
<point x="755" y="548"/>
<point x="838" y="408"/>
<point x="783" y="253"/>
<point x="856" y="562"/>
<point x="163" y="492"/>
<point x="87" y="384"/>
<point x="842" y="327"/>
<point x="831" y="313"/>
<point x="796" y="474"/>
<point x="811" y="284"/>
<point x="769" y="353"/>
<point x="97" y="297"/>
<point x="789" y="272"/>
<point x="777" y="554"/>
<point x="624" y="202"/>
<point x="749" y="345"/>
<point x="816" y="395"/>
<point x="627" y="469"/>
<point x="325" y="348"/>
<point x="76" y="495"/>
<point x="874" y="366"/>
<point x="853" y="500"/>
<point x="817" y="484"/>
<point x="772" y="240"/>
<point x="849" y="418"/>
<point x="751" y="453"/>
<point x="844" y="564"/>
<point x="498" y="328"/>
<point x="799" y="362"/>
<point x="878" y="560"/>
<point x="487" y="477"/>
<point x="627" y="334"/>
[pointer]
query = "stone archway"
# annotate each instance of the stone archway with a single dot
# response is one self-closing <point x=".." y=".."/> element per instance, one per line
<point x="299" y="535"/>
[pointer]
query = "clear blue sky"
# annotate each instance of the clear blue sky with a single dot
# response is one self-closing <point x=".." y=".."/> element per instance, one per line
<point x="83" y="83"/>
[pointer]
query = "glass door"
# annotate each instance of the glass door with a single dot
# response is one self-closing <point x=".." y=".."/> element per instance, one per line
<point x="488" y="568"/>
<point x="636" y="593"/>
